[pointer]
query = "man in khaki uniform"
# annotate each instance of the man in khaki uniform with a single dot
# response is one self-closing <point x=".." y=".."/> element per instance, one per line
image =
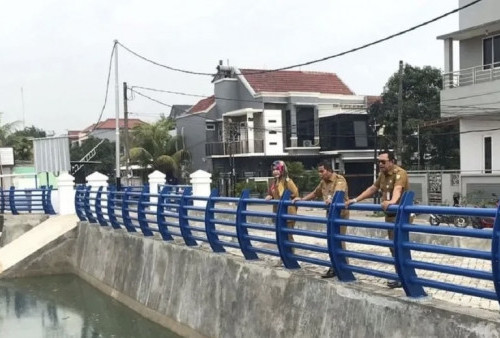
<point x="330" y="182"/>
<point x="391" y="182"/>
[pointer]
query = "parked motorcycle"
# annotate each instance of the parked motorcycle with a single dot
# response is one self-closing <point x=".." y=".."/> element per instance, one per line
<point x="458" y="221"/>
<point x="485" y="222"/>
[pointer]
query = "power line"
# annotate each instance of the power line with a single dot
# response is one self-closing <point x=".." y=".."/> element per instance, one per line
<point x="107" y="87"/>
<point x="315" y="60"/>
<point x="162" y="65"/>
<point x="150" y="98"/>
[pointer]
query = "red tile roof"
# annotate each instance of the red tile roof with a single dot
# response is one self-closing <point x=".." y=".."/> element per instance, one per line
<point x="202" y="105"/>
<point x="371" y="99"/>
<point x="295" y="81"/>
<point x="110" y="124"/>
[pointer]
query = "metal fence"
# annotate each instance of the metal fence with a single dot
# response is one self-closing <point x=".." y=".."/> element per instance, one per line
<point x="19" y="201"/>
<point x="224" y="228"/>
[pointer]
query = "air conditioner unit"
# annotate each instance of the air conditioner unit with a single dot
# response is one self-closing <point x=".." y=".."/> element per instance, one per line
<point x="307" y="143"/>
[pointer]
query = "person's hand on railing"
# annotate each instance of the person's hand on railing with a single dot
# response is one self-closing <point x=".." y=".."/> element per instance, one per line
<point x="268" y="197"/>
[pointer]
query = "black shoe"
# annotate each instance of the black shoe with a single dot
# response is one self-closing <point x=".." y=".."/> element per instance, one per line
<point x="393" y="284"/>
<point x="329" y="274"/>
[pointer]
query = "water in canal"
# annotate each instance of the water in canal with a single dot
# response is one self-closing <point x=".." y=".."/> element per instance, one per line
<point x="66" y="306"/>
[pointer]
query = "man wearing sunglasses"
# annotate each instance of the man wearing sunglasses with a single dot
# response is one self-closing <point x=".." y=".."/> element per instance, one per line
<point x="391" y="182"/>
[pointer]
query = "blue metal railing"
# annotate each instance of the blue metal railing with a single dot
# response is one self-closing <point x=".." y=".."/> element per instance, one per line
<point x="30" y="201"/>
<point x="255" y="232"/>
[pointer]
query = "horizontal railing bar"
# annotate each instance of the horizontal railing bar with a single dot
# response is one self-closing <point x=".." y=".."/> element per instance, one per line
<point x="312" y="260"/>
<point x="371" y="272"/>
<point x="365" y="240"/>
<point x="455" y="288"/>
<point x="229" y="244"/>
<point x="258" y="226"/>
<point x="450" y="269"/>
<point x="222" y="222"/>
<point x="473" y="233"/>
<point x="225" y="233"/>
<point x="448" y="250"/>
<point x="264" y="251"/>
<point x="367" y="256"/>
<point x="260" y="239"/>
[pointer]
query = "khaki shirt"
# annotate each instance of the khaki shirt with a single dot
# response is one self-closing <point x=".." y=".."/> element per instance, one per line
<point x="326" y="190"/>
<point x="277" y="189"/>
<point x="386" y="182"/>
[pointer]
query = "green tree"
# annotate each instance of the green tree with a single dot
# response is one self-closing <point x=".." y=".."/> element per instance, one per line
<point x="439" y="144"/>
<point x="22" y="143"/>
<point x="155" y="149"/>
<point x="105" y="155"/>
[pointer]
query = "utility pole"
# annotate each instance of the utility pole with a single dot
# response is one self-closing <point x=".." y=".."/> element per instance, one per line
<point x="418" y="146"/>
<point x="22" y="101"/>
<point x="374" y="126"/>
<point x="117" y="120"/>
<point x="400" y="115"/>
<point x="125" y="120"/>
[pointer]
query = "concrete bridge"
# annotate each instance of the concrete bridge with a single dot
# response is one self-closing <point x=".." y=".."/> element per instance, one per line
<point x="198" y="292"/>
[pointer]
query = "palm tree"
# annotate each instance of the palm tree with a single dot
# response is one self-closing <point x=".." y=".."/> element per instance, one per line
<point x="153" y="147"/>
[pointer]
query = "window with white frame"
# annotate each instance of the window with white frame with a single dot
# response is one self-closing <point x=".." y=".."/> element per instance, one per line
<point x="491" y="52"/>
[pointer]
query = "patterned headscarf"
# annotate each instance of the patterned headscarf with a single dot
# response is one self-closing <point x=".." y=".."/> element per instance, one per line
<point x="281" y="167"/>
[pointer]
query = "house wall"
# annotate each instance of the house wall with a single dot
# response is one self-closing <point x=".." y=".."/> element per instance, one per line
<point x="193" y="129"/>
<point x="471" y="144"/>
<point x="458" y="101"/>
<point x="482" y="12"/>
<point x="471" y="52"/>
<point x="273" y="142"/>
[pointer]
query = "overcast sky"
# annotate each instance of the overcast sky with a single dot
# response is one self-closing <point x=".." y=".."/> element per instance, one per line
<point x="58" y="51"/>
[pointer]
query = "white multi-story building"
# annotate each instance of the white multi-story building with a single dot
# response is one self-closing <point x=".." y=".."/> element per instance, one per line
<point x="471" y="94"/>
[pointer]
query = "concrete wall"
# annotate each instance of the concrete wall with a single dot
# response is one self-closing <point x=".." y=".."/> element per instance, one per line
<point x="196" y="292"/>
<point x="480" y="13"/>
<point x="472" y="144"/>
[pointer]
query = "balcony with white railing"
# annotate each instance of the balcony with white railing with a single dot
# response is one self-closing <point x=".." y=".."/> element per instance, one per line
<point x="471" y="76"/>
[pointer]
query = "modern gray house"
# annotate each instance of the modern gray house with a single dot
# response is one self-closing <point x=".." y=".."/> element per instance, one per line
<point x="471" y="93"/>
<point x="256" y="117"/>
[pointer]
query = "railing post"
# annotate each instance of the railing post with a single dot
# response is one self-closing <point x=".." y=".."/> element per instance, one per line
<point x="86" y="205"/>
<point x="183" y="221"/>
<point x="495" y="253"/>
<point x="201" y="180"/>
<point x="160" y="218"/>
<point x="406" y="274"/>
<point x="242" y="231"/>
<point x="125" y="211"/>
<point x="141" y="211"/>
<point x="212" y="237"/>
<point x="281" y="236"/>
<point x="334" y="223"/>
<point x="47" y="201"/>
<point x="12" y="202"/>
<point x="98" y="207"/>
<point x="79" y="202"/>
<point x="111" y="208"/>
<point x="155" y="179"/>
<point x="66" y="190"/>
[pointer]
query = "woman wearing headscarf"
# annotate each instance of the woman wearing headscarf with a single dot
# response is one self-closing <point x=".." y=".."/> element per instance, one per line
<point x="281" y="182"/>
